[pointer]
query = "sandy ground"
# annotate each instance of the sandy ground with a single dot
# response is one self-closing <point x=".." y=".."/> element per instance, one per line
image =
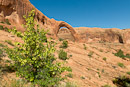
<point x="89" y="67"/>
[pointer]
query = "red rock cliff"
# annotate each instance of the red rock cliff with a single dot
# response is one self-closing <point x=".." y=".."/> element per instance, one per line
<point x="15" y="9"/>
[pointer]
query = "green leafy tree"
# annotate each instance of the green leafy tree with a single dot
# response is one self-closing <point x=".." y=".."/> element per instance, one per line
<point x="34" y="59"/>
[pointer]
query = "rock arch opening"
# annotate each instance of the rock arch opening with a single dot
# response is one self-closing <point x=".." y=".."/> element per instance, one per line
<point x="121" y="40"/>
<point x="64" y="33"/>
<point x="72" y="35"/>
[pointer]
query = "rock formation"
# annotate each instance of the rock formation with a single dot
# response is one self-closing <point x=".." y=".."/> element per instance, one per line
<point x="15" y="9"/>
<point x="112" y="35"/>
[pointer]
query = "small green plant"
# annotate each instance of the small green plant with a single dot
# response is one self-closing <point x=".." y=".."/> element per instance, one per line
<point x="6" y="29"/>
<point x="82" y="77"/>
<point x="127" y="55"/>
<point x="71" y="84"/>
<point x="104" y="58"/>
<point x="101" y="50"/>
<point x="16" y="83"/>
<point x="99" y="74"/>
<point x="35" y="61"/>
<point x="90" y="53"/>
<point x="60" y="39"/>
<point x="85" y="47"/>
<point x="128" y="73"/>
<point x="68" y="84"/>
<point x="1" y="45"/>
<point x="122" y="81"/>
<point x="121" y="65"/>
<point x="1" y="53"/>
<point x="106" y="85"/>
<point x="120" y="54"/>
<point x="1" y="27"/>
<point x="70" y="55"/>
<point x="64" y="44"/>
<point x="7" y="22"/>
<point x="2" y="22"/>
<point x="62" y="54"/>
<point x="98" y="69"/>
<point x="9" y="42"/>
<point x="102" y="70"/>
<point x="70" y="75"/>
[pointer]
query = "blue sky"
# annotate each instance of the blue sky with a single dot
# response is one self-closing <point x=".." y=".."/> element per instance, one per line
<point x="87" y="13"/>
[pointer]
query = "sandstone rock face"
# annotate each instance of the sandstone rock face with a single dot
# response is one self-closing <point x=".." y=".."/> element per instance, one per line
<point x="15" y="9"/>
<point x="105" y="35"/>
<point x="112" y="35"/>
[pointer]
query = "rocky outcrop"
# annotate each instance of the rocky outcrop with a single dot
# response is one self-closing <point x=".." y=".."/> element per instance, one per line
<point x="112" y="35"/>
<point x="15" y="9"/>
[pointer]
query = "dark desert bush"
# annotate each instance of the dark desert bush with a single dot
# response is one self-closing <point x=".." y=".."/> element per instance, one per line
<point x="64" y="44"/>
<point x="7" y="22"/>
<point x="120" y="54"/>
<point x="122" y="81"/>
<point x="63" y="55"/>
<point x="1" y="27"/>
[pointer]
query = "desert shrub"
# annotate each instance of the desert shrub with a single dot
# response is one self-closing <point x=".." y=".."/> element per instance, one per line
<point x="1" y="45"/>
<point x="82" y="77"/>
<point x="16" y="83"/>
<point x="104" y="58"/>
<point x="62" y="54"/>
<point x="1" y="53"/>
<point x="68" y="84"/>
<point x="120" y="54"/>
<point x="122" y="81"/>
<point x="106" y="85"/>
<point x="128" y="73"/>
<point x="60" y="39"/>
<point x="6" y="29"/>
<point x="101" y="50"/>
<point x="85" y="47"/>
<point x="9" y="42"/>
<point x="70" y="56"/>
<point x="121" y="65"/>
<point x="1" y="27"/>
<point x="70" y="75"/>
<point x="34" y="60"/>
<point x="2" y="22"/>
<point x="7" y="22"/>
<point x="64" y="44"/>
<point x="90" y="53"/>
<point x="127" y="55"/>
<point x="71" y="84"/>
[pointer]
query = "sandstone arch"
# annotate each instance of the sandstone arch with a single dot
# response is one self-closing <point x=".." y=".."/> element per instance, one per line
<point x="69" y="27"/>
<point x="22" y="7"/>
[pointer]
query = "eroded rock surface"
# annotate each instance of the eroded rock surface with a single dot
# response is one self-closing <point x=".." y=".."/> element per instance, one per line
<point x="15" y="9"/>
<point x="112" y="35"/>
